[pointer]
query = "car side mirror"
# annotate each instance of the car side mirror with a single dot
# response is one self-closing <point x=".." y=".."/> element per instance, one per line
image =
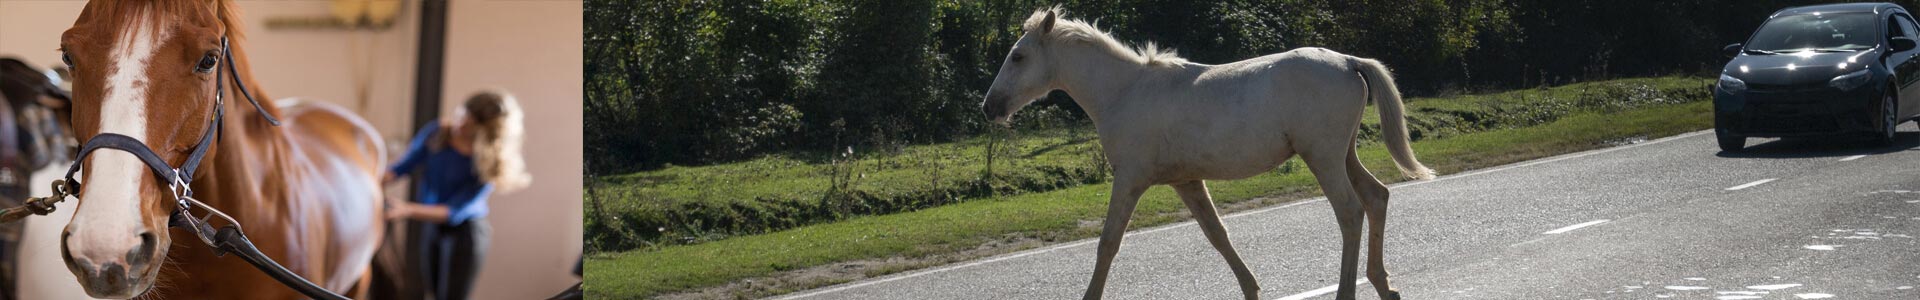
<point x="1902" y="44"/>
<point x="1731" y="50"/>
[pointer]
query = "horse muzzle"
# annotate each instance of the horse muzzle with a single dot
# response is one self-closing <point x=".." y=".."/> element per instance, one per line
<point x="122" y="276"/>
<point x="996" y="109"/>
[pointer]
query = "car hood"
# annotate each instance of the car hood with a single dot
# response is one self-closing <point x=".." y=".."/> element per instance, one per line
<point x="1797" y="68"/>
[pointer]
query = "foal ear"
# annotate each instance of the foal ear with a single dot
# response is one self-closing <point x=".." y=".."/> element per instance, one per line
<point x="1047" y="26"/>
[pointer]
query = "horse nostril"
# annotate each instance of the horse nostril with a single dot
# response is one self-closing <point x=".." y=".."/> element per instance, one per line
<point x="111" y="275"/>
<point x="140" y="255"/>
<point x="64" y="254"/>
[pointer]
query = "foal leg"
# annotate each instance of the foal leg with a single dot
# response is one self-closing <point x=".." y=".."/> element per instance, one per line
<point x="1373" y="200"/>
<point x="1119" y="213"/>
<point x="1329" y="168"/>
<point x="1194" y="194"/>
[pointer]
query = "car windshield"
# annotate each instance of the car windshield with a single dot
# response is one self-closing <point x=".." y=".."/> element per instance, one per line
<point x="1815" y="32"/>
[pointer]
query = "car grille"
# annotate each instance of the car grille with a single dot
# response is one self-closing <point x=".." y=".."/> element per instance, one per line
<point x="1782" y="89"/>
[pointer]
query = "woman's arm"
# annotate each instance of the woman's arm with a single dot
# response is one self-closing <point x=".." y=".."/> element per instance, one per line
<point x="423" y="212"/>
<point x="460" y="205"/>
<point x="416" y="149"/>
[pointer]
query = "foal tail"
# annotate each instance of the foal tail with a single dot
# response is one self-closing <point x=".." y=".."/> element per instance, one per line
<point x="1393" y="122"/>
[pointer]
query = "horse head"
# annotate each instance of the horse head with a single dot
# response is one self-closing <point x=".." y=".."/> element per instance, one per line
<point x="146" y="70"/>
<point x="1027" y="73"/>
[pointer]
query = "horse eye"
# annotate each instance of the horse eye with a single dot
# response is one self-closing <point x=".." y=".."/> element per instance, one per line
<point x="207" y="63"/>
<point x="1017" y="57"/>
<point x="68" y="58"/>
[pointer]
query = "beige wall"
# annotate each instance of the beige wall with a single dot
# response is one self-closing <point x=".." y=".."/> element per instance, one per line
<point x="529" y="47"/>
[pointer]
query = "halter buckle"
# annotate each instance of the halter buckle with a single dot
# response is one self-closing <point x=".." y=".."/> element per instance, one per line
<point x="181" y="192"/>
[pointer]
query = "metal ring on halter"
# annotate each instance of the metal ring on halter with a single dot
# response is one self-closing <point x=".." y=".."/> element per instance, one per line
<point x="179" y="185"/>
<point x="213" y="212"/>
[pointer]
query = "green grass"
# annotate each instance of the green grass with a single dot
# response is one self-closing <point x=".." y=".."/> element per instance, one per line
<point x="695" y="204"/>
<point x="1456" y="141"/>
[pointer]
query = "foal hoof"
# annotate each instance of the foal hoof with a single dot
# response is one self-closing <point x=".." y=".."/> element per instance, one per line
<point x="1390" y="295"/>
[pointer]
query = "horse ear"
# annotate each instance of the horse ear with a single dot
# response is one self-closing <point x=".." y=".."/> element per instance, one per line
<point x="1047" y="26"/>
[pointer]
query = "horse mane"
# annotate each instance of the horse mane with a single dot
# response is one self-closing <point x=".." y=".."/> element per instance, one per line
<point x="1075" y="30"/>
<point x="226" y="10"/>
<point x="230" y="19"/>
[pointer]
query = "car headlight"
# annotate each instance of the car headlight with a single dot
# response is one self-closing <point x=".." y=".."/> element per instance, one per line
<point x="1732" y="85"/>
<point x="1851" y="80"/>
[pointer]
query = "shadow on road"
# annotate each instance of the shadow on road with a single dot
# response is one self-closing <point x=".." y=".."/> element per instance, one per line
<point x="1825" y="147"/>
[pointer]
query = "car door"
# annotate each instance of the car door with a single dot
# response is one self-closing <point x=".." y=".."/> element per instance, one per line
<point x="1908" y="70"/>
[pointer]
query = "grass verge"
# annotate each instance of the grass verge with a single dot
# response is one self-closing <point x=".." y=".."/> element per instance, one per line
<point x="685" y="205"/>
<point x="1058" y="215"/>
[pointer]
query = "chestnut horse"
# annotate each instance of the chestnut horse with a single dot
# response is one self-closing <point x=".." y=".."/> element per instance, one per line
<point x="307" y="191"/>
<point x="1163" y="120"/>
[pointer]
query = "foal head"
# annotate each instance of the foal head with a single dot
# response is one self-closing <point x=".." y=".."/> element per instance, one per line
<point x="144" y="69"/>
<point x="1027" y="73"/>
<point x="1052" y="44"/>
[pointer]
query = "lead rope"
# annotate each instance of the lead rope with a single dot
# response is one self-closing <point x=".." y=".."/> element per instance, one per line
<point x="38" y="205"/>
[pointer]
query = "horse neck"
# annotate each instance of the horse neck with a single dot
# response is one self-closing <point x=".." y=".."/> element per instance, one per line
<point x="249" y="155"/>
<point x="238" y="109"/>
<point x="1095" y="77"/>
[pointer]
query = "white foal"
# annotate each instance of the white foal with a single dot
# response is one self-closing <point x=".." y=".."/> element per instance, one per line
<point x="1163" y="120"/>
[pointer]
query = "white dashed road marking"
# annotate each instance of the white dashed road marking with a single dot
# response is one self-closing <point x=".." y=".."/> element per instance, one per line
<point x="1323" y="291"/>
<point x="1575" y="226"/>
<point x="1852" y="157"/>
<point x="1751" y="184"/>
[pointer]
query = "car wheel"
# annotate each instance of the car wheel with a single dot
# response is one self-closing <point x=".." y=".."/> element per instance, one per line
<point x="1887" y="122"/>
<point x="1730" y="143"/>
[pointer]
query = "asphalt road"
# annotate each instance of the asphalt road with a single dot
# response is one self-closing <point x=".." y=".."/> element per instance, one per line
<point x="1672" y="218"/>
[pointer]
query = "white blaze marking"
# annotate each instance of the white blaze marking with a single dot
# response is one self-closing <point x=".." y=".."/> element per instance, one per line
<point x="1852" y="157"/>
<point x="1575" y="226"/>
<point x="1751" y="184"/>
<point x="106" y="225"/>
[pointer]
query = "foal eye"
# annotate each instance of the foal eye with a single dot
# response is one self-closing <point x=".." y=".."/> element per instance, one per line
<point x="207" y="63"/>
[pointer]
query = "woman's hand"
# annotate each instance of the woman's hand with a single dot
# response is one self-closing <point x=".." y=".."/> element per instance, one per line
<point x="400" y="210"/>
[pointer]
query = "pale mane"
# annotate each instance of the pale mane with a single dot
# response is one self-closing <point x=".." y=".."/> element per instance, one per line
<point x="1074" y="30"/>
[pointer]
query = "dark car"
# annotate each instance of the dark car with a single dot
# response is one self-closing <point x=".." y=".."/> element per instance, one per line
<point x="1823" y="70"/>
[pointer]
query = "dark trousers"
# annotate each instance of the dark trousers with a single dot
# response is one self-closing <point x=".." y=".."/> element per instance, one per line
<point x="452" y="254"/>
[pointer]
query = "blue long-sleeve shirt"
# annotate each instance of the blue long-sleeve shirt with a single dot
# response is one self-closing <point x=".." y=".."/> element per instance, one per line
<point x="448" y="177"/>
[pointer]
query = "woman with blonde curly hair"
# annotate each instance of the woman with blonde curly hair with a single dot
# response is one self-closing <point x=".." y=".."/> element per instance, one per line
<point x="464" y="158"/>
